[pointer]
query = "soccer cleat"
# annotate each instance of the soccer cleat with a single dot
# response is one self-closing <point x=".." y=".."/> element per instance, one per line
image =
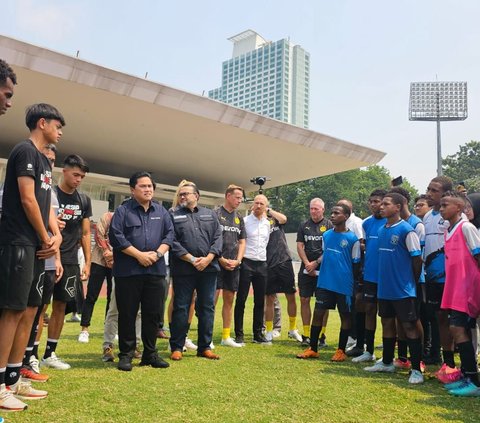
<point x="269" y="336"/>
<point x="34" y="364"/>
<point x="448" y="374"/>
<point x="322" y="342"/>
<point x="403" y="365"/>
<point x="339" y="356"/>
<point x="469" y="389"/>
<point x="276" y="333"/>
<point x="381" y="367"/>
<point x="23" y="390"/>
<point x="416" y="377"/>
<point x="365" y="357"/>
<point x="28" y="373"/>
<point x="83" y="337"/>
<point x="229" y="342"/>
<point x="189" y="345"/>
<point x="305" y="341"/>
<point x="293" y="334"/>
<point x="350" y="343"/>
<point x="354" y="352"/>
<point x="308" y="353"/>
<point x="108" y="356"/>
<point x="8" y="402"/>
<point x="54" y="363"/>
<point x="422" y="367"/>
<point x="455" y="385"/>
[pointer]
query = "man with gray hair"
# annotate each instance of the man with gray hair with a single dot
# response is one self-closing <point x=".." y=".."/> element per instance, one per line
<point x="310" y="251"/>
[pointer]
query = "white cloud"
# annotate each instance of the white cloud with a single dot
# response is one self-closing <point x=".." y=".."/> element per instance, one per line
<point x="50" y="20"/>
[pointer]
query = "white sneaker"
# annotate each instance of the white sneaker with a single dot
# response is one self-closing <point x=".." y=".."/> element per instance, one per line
<point x="350" y="343"/>
<point x="8" y="402"/>
<point x="54" y="362"/>
<point x="366" y="356"/>
<point x="75" y="318"/>
<point x="83" y="337"/>
<point x="34" y="364"/>
<point x="276" y="333"/>
<point x="380" y="366"/>
<point x="416" y="377"/>
<point x="212" y="345"/>
<point x="229" y="342"/>
<point x="295" y="335"/>
<point x="23" y="390"/>
<point x="189" y="345"/>
<point x="269" y="336"/>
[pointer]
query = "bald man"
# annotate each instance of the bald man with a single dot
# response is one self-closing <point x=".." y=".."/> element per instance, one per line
<point x="254" y="271"/>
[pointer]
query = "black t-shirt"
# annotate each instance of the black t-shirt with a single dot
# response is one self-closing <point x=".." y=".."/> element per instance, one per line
<point x="277" y="248"/>
<point x="311" y="234"/>
<point x="73" y="211"/>
<point x="233" y="230"/>
<point x="24" y="160"/>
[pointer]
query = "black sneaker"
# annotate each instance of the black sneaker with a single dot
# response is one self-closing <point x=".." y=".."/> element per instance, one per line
<point x="156" y="362"/>
<point x="125" y="364"/>
<point x="240" y="339"/>
<point x="305" y="341"/>
<point x="260" y="339"/>
<point x="322" y="342"/>
<point x="355" y="352"/>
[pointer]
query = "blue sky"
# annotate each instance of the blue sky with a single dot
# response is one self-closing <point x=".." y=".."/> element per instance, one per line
<point x="364" y="54"/>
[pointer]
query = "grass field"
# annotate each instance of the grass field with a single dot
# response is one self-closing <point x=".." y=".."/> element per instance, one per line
<point x="252" y="384"/>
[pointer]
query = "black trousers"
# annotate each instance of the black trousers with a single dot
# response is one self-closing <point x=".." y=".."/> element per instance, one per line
<point x="254" y="272"/>
<point x="97" y="275"/>
<point x="130" y="293"/>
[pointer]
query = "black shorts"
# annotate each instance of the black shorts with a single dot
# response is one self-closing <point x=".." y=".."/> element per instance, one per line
<point x="48" y="285"/>
<point x="434" y="294"/>
<point x="462" y="320"/>
<point x="327" y="300"/>
<point x="370" y="292"/>
<point x="228" y="280"/>
<point x="36" y="290"/>
<point x="281" y="279"/>
<point x="16" y="275"/>
<point x="306" y="284"/>
<point x="66" y="288"/>
<point x="403" y="309"/>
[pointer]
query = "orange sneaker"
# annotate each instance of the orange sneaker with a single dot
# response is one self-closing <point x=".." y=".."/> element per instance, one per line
<point x="308" y="353"/>
<point x="339" y="356"/>
<point x="28" y="374"/>
<point x="176" y="356"/>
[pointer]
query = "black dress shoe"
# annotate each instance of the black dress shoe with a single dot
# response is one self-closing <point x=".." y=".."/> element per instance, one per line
<point x="125" y="364"/>
<point x="260" y="339"/>
<point x="156" y="362"/>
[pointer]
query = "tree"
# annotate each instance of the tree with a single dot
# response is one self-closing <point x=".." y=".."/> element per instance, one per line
<point x="464" y="165"/>
<point x="355" y="185"/>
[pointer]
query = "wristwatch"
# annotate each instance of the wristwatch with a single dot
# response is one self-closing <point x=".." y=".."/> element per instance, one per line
<point x="159" y="255"/>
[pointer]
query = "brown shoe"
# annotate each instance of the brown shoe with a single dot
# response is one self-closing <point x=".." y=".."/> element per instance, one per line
<point x="176" y="355"/>
<point x="162" y="335"/>
<point x="137" y="354"/>
<point x="208" y="354"/>
<point x="308" y="353"/>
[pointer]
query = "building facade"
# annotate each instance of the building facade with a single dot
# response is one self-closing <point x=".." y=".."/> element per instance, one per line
<point x="268" y="78"/>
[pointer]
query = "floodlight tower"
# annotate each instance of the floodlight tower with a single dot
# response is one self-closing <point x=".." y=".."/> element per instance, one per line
<point x="438" y="101"/>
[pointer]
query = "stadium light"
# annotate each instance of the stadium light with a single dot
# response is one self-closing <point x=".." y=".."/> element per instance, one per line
<point x="438" y="101"/>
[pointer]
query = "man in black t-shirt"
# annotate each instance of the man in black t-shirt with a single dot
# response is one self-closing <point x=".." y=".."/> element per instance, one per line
<point x="74" y="212"/>
<point x="309" y="248"/>
<point x="24" y="246"/>
<point x="280" y="276"/>
<point x="233" y="232"/>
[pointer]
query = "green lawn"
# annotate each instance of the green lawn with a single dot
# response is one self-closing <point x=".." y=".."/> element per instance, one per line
<point x="252" y="384"/>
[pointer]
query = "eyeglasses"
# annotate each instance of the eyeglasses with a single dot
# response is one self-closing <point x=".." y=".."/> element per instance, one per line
<point x="184" y="194"/>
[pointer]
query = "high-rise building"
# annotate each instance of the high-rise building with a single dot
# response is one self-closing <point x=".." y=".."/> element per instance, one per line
<point x="268" y="78"/>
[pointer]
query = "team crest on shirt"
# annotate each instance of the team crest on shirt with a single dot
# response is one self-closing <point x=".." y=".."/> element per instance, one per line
<point x="29" y="166"/>
<point x="394" y="240"/>
<point x="343" y="243"/>
<point x="237" y="220"/>
<point x="322" y="228"/>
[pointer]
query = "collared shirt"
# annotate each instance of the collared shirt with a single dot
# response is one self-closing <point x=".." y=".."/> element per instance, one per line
<point x="101" y="239"/>
<point x="354" y="223"/>
<point x="198" y="233"/>
<point x="258" y="234"/>
<point x="145" y="230"/>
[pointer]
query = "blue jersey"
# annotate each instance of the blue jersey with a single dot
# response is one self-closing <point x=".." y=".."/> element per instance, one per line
<point x="340" y="251"/>
<point x="397" y="244"/>
<point x="371" y="225"/>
